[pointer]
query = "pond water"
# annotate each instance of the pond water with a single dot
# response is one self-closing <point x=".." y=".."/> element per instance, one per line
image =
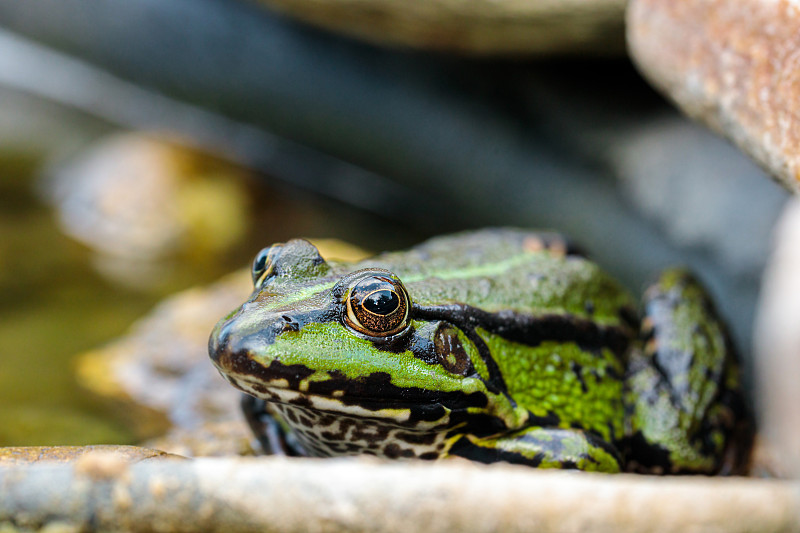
<point x="54" y="303"/>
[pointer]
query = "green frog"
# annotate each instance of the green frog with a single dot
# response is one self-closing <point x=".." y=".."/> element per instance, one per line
<point x="492" y="345"/>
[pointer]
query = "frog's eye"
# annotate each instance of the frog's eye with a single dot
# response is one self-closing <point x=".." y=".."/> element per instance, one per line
<point x="377" y="305"/>
<point x="264" y="263"/>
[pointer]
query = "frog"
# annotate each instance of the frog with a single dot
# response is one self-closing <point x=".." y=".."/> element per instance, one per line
<point x="493" y="345"/>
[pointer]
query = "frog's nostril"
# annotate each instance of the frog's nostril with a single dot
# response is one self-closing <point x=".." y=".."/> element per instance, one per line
<point x="289" y="324"/>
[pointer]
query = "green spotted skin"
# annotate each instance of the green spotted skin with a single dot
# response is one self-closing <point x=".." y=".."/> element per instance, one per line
<point x="494" y="345"/>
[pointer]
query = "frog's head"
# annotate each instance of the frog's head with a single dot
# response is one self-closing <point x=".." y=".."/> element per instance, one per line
<point x="353" y="342"/>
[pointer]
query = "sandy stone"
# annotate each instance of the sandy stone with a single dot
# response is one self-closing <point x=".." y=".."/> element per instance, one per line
<point x="475" y="27"/>
<point x="731" y="65"/>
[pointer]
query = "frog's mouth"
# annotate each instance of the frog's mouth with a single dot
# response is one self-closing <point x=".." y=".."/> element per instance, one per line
<point x="401" y="414"/>
<point x="373" y="395"/>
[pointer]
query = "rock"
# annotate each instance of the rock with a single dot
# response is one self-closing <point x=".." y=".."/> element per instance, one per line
<point x="210" y="439"/>
<point x="159" y="379"/>
<point x="137" y="200"/>
<point x="702" y="191"/>
<point x="357" y="494"/>
<point x="777" y="345"/>
<point x="159" y="376"/>
<point x="86" y="455"/>
<point x="476" y="27"/>
<point x="731" y="65"/>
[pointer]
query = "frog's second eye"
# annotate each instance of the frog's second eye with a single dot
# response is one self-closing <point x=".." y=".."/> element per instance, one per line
<point x="377" y="305"/>
<point x="264" y="263"/>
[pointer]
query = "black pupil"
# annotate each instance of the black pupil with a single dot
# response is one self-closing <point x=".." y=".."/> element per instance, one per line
<point x="259" y="265"/>
<point x="382" y="302"/>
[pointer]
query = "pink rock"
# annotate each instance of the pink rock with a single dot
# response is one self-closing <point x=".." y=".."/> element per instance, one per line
<point x="734" y="65"/>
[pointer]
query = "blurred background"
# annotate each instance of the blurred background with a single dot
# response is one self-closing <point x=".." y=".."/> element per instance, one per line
<point x="147" y="147"/>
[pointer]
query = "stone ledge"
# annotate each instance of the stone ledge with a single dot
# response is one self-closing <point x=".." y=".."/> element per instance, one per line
<point x="359" y="494"/>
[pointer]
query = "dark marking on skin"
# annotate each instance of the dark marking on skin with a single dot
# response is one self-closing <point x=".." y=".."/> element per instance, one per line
<point x="599" y="442"/>
<point x="428" y="413"/>
<point x="463" y="447"/>
<point x="374" y="434"/>
<point x="394" y="451"/>
<point x="301" y="401"/>
<point x="258" y="387"/>
<point x="527" y="329"/>
<point x="422" y="347"/>
<point x="450" y="352"/>
<point x="326" y="419"/>
<point x="268" y="431"/>
<point x="645" y="457"/>
<point x="429" y="456"/>
<point x="291" y="417"/>
<point x="630" y="317"/>
<point x="376" y="391"/>
<point x="577" y="369"/>
<point x="549" y="420"/>
<point x="613" y="373"/>
<point x="496" y="383"/>
<point x="331" y="437"/>
<point x="416" y="438"/>
<point x="391" y="450"/>
<point x="479" y="424"/>
<point x="241" y="363"/>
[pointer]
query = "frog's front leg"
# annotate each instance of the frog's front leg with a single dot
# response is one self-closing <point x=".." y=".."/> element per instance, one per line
<point x="684" y="405"/>
<point x="542" y="448"/>
<point x="271" y="434"/>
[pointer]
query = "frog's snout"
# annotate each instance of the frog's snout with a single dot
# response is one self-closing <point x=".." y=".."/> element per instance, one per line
<point x="233" y="345"/>
<point x="219" y="345"/>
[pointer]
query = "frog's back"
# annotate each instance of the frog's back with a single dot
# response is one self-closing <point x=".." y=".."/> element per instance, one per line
<point x="509" y="270"/>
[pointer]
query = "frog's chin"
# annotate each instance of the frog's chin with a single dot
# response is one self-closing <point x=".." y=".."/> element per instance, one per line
<point x="280" y="393"/>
